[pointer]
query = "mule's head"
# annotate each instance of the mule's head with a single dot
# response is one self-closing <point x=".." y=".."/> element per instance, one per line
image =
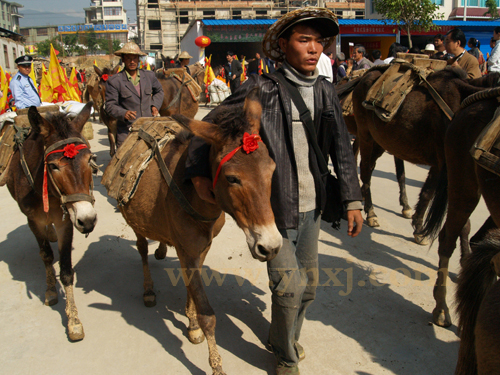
<point x="242" y="171"/>
<point x="104" y="75"/>
<point x="68" y="163"/>
<point x="168" y="62"/>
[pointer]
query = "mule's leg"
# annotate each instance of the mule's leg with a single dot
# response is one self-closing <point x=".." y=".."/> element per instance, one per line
<point x="426" y="194"/>
<point x="403" y="199"/>
<point x="464" y="242"/>
<point x="462" y="200"/>
<point x="48" y="259"/>
<point x="149" y="295"/>
<point x="370" y="152"/>
<point x="65" y="234"/>
<point x="161" y="252"/>
<point x="205" y="313"/>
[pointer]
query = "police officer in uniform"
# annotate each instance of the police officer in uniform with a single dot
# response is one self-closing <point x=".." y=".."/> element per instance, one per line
<point x="22" y="86"/>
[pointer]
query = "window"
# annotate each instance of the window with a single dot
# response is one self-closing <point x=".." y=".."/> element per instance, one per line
<point x="6" y="57"/>
<point x="14" y="53"/>
<point x="113" y="11"/>
<point x="115" y="22"/>
<point x="260" y="14"/>
<point x="153" y="4"/>
<point x="42" y="32"/>
<point x="209" y="14"/>
<point x="155" y="46"/>
<point x="474" y="3"/>
<point x="184" y="19"/>
<point x="25" y="32"/>
<point x="438" y="2"/>
<point x="154" y="24"/>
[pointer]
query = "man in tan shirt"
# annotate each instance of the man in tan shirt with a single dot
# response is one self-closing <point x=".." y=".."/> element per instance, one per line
<point x="455" y="43"/>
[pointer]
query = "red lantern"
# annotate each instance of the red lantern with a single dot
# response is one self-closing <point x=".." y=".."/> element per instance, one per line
<point x="202" y="41"/>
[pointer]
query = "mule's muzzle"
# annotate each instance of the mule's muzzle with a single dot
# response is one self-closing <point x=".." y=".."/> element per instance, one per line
<point x="264" y="242"/>
<point x="83" y="216"/>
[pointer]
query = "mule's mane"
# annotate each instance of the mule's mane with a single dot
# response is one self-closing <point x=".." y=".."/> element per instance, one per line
<point x="451" y="70"/>
<point x="232" y="122"/>
<point x="61" y="124"/>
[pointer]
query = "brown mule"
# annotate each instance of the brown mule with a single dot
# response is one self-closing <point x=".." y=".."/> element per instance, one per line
<point x="415" y="134"/>
<point x="243" y="190"/>
<point x="460" y="186"/>
<point x="100" y="89"/>
<point x="69" y="199"/>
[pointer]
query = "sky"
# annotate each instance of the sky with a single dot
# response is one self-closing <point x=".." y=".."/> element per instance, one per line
<point x="61" y="12"/>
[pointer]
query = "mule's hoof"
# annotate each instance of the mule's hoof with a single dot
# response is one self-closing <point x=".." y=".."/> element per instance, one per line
<point x="441" y="318"/>
<point x="372" y="222"/>
<point x="196" y="336"/>
<point x="421" y="240"/>
<point x="149" y="300"/>
<point x="51" y="298"/>
<point x="160" y="254"/>
<point x="407" y="213"/>
<point x="76" y="332"/>
<point x="218" y="372"/>
<point x="51" y="233"/>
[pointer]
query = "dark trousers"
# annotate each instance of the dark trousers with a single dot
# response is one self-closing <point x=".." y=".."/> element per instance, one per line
<point x="234" y="84"/>
<point x="121" y="134"/>
<point x="293" y="276"/>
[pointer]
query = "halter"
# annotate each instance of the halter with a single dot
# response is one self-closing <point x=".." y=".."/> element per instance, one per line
<point x="249" y="144"/>
<point x="70" y="150"/>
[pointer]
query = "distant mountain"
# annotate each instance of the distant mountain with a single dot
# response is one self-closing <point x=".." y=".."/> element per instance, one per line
<point x="34" y="17"/>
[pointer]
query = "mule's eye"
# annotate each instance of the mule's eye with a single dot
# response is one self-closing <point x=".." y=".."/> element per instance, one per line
<point x="53" y="167"/>
<point x="233" y="180"/>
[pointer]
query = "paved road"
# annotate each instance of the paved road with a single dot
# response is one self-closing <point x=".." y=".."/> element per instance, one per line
<point x="376" y="322"/>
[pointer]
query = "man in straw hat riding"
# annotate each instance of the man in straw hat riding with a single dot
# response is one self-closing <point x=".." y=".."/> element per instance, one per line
<point x="132" y="93"/>
<point x="184" y="61"/>
<point x="298" y="192"/>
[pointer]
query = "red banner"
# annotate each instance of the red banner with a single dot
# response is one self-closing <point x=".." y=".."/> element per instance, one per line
<point x="440" y="30"/>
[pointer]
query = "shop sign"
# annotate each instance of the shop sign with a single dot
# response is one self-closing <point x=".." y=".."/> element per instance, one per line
<point x="235" y="36"/>
<point x="368" y="29"/>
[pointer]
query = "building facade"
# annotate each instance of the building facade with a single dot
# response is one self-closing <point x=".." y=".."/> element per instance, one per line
<point x="10" y="15"/>
<point x="459" y="10"/>
<point x="10" y="49"/>
<point x="162" y="24"/>
<point x="105" y="12"/>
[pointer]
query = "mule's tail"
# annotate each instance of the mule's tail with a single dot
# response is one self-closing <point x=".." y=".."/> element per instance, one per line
<point x="474" y="282"/>
<point x="437" y="211"/>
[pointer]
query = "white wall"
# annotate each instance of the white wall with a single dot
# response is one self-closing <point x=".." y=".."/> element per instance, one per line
<point x="187" y="43"/>
<point x="11" y="67"/>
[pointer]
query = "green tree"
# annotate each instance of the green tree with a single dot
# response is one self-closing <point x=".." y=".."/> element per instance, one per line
<point x="44" y="47"/>
<point x="409" y="14"/>
<point x="492" y="9"/>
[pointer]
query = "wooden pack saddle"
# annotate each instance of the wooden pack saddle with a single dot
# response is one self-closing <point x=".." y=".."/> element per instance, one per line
<point x="183" y="77"/>
<point x="124" y="171"/>
<point x="487" y="145"/>
<point x="390" y="90"/>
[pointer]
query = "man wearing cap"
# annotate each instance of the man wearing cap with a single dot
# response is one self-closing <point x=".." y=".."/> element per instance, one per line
<point x="232" y="71"/>
<point x="298" y="192"/>
<point x="184" y="61"/>
<point x="132" y="93"/>
<point x="22" y="86"/>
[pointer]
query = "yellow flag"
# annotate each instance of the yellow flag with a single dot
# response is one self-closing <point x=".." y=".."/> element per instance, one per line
<point x="58" y="77"/>
<point x="95" y="62"/>
<point x="73" y="86"/>
<point x="244" y="69"/>
<point x="148" y="67"/>
<point x="4" y="87"/>
<point x="209" y="72"/>
<point x="33" y="77"/>
<point x="46" y="92"/>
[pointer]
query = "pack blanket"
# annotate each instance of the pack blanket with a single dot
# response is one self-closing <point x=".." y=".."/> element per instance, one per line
<point x="183" y="76"/>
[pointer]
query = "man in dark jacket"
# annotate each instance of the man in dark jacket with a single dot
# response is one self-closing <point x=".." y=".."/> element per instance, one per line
<point x="233" y="71"/>
<point x="298" y="193"/>
<point x="132" y="93"/>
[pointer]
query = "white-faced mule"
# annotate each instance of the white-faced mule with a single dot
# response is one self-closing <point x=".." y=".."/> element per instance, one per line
<point x="244" y="170"/>
<point x="50" y="177"/>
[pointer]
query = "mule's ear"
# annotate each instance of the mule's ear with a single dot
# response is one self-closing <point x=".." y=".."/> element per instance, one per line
<point x="253" y="109"/>
<point x="98" y="71"/>
<point x="209" y="132"/>
<point x="80" y="120"/>
<point x="39" y="124"/>
<point x="163" y="57"/>
<point x="115" y="69"/>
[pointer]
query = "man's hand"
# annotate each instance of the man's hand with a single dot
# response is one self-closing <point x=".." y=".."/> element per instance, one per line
<point x="130" y="115"/>
<point x="154" y="111"/>
<point x="234" y="76"/>
<point x="203" y="186"/>
<point x="354" y="222"/>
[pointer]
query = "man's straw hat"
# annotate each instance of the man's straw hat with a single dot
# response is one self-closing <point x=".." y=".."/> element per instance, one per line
<point x="185" y="55"/>
<point x="325" y="20"/>
<point x="430" y="48"/>
<point x="130" y="48"/>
